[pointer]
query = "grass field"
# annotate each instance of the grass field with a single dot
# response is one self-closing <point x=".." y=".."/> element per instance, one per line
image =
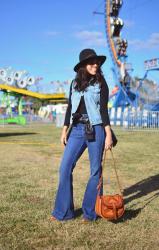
<point x="29" y="164"/>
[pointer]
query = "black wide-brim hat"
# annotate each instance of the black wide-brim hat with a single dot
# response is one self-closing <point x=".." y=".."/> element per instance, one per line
<point x="87" y="54"/>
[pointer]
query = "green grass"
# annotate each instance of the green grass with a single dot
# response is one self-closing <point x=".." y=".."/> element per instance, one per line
<point x="28" y="184"/>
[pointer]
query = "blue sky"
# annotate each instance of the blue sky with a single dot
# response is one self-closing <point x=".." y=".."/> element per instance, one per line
<point x="45" y="37"/>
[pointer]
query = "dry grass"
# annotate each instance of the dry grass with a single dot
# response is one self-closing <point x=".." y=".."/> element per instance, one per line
<point x="29" y="178"/>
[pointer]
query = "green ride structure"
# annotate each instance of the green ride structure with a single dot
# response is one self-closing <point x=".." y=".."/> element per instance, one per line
<point x="13" y="85"/>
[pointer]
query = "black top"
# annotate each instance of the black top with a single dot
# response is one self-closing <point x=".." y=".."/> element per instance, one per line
<point x="104" y="95"/>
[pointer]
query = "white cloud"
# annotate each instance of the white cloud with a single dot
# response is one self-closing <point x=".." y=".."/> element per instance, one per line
<point x="91" y="38"/>
<point x="151" y="43"/>
<point x="52" y="33"/>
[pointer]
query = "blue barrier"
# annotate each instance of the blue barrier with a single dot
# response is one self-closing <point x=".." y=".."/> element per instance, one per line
<point x="134" y="118"/>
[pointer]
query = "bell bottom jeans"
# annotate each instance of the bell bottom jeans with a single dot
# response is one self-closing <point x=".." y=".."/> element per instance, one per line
<point x="77" y="143"/>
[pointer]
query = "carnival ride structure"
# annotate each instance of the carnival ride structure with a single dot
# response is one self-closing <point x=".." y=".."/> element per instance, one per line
<point x="123" y="96"/>
<point x="15" y="84"/>
<point x="151" y="66"/>
<point x="128" y="103"/>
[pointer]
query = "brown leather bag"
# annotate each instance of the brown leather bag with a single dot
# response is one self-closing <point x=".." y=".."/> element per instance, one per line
<point x="110" y="207"/>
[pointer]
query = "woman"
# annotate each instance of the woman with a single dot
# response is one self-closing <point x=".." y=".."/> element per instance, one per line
<point x="87" y="109"/>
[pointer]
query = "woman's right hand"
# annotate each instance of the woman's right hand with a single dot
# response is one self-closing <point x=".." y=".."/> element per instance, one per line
<point x="64" y="136"/>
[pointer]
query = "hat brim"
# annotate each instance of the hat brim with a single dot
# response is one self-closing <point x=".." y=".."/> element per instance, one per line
<point x="101" y="59"/>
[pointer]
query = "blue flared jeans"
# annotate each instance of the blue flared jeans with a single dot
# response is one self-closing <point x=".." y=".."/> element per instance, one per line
<point x="77" y="143"/>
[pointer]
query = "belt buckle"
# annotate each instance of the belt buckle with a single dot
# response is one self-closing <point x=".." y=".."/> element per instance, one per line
<point x="85" y="118"/>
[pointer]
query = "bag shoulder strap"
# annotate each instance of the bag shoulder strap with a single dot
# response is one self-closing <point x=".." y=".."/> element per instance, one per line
<point x="115" y="170"/>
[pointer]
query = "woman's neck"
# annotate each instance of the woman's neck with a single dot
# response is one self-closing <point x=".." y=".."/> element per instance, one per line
<point x="90" y="77"/>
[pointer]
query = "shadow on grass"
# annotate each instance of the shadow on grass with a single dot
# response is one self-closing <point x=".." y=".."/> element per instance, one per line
<point x="132" y="213"/>
<point x="142" y="188"/>
<point x="138" y="190"/>
<point x="128" y="215"/>
<point x="15" y="134"/>
<point x="78" y="212"/>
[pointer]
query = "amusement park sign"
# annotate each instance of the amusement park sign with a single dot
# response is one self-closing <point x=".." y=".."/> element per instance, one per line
<point x="152" y="64"/>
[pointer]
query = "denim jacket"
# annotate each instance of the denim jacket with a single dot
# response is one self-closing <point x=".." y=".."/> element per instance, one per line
<point x="92" y="101"/>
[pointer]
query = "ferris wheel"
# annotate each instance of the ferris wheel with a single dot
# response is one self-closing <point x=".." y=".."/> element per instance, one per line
<point x="128" y="91"/>
<point x="118" y="51"/>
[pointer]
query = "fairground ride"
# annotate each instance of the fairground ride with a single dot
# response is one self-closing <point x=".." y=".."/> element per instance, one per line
<point x="14" y="84"/>
<point x="122" y="94"/>
<point x="151" y="66"/>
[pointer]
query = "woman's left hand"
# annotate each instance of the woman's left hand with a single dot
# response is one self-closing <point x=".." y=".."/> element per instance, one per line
<point x="108" y="142"/>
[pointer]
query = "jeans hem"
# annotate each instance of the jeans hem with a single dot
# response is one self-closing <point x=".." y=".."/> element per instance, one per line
<point x="88" y="218"/>
<point x="60" y="218"/>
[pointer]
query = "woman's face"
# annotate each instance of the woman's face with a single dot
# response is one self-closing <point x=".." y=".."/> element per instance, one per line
<point x="92" y="66"/>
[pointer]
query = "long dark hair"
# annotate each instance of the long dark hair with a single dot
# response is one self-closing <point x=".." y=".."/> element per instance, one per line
<point x="84" y="79"/>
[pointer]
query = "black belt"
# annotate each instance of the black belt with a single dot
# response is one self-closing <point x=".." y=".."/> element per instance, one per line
<point x="80" y="118"/>
<point x="83" y="119"/>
